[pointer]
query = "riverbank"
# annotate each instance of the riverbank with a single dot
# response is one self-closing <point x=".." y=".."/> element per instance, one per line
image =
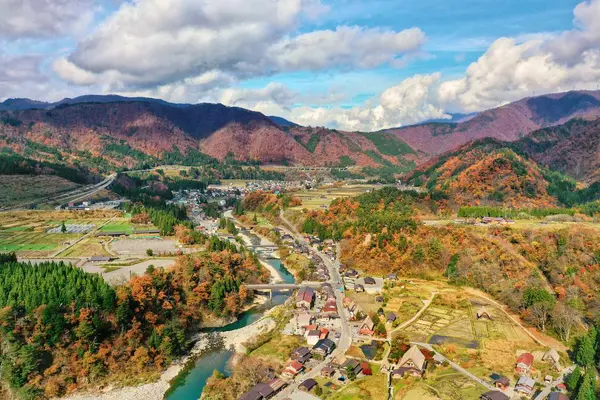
<point x="234" y="340"/>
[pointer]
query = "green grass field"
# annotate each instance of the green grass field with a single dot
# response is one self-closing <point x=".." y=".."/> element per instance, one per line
<point x="127" y="227"/>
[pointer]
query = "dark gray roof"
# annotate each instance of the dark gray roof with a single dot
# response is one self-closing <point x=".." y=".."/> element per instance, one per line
<point x="308" y="384"/>
<point x="494" y="395"/>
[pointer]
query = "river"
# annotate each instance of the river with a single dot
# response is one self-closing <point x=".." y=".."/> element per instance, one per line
<point x="188" y="385"/>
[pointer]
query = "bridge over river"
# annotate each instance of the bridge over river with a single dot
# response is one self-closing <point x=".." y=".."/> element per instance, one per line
<point x="269" y="288"/>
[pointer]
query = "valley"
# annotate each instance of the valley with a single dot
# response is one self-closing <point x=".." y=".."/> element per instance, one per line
<point x="413" y="274"/>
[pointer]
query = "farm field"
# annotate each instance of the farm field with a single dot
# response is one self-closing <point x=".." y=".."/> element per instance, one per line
<point x="371" y="387"/>
<point x="26" y="232"/>
<point x="322" y="197"/>
<point x="19" y="189"/>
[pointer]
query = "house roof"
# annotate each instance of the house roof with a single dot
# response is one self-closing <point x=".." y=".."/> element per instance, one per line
<point x="368" y="323"/>
<point x="483" y="311"/>
<point x="352" y="363"/>
<point x="314" y="333"/>
<point x="525" y="358"/>
<point x="551" y="354"/>
<point x="259" y="391"/>
<point x="369" y="281"/>
<point x="526" y="381"/>
<point x="413" y="354"/>
<point x="276" y="384"/>
<point x="308" y="384"/>
<point x="324" y="344"/>
<point x="391" y="316"/>
<point x="302" y="351"/>
<point x="557" y="396"/>
<point x="503" y="380"/>
<point x="295" y="365"/>
<point x="494" y="395"/>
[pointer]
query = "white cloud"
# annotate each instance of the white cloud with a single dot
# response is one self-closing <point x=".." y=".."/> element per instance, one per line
<point x="346" y="46"/>
<point x="150" y="43"/>
<point x="43" y="18"/>
<point x="22" y="75"/>
<point x="407" y="103"/>
<point x="511" y="69"/>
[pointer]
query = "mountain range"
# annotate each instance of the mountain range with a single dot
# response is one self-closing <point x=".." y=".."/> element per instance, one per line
<point x="559" y="131"/>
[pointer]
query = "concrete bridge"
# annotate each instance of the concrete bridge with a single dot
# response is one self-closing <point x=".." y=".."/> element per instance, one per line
<point x="269" y="288"/>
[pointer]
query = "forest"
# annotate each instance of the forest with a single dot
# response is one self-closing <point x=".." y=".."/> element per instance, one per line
<point x="62" y="330"/>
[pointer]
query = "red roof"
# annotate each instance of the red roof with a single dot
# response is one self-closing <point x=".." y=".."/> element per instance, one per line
<point x="525" y="358"/>
<point x="295" y="365"/>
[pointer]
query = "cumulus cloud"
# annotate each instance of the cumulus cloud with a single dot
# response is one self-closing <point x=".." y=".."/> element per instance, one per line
<point x="512" y="69"/>
<point x="407" y="103"/>
<point x="43" y="18"/>
<point x="150" y="43"/>
<point x="20" y="75"/>
<point x="346" y="46"/>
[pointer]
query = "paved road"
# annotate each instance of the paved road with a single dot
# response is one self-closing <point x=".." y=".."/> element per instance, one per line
<point x="345" y="336"/>
<point x="88" y="192"/>
<point x="546" y="392"/>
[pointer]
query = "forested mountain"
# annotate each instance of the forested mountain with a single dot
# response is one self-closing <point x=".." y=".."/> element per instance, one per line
<point x="572" y="148"/>
<point x="489" y="172"/>
<point x="113" y="131"/>
<point x="62" y="329"/>
<point x="509" y="122"/>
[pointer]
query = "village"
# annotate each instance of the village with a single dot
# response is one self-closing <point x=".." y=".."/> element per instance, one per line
<point x="400" y="336"/>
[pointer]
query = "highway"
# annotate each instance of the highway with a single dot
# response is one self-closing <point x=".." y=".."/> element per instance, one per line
<point x="72" y="195"/>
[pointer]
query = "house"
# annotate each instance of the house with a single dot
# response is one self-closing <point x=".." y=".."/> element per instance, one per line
<point x="95" y="259"/>
<point x="439" y="359"/>
<point x="327" y="372"/>
<point x="349" y="304"/>
<point x="277" y="384"/>
<point x="303" y="319"/>
<point x="494" y="395"/>
<point x="483" y="313"/>
<point x="369" y="280"/>
<point x="324" y="333"/>
<point x="292" y="369"/>
<point x="308" y="385"/>
<point x="359" y="288"/>
<point x="367" y="327"/>
<point x="557" y="396"/>
<point x="415" y="360"/>
<point x="351" y="366"/>
<point x="301" y="354"/>
<point x="351" y="273"/>
<point x="392" y="277"/>
<point x="305" y="297"/>
<point x="502" y="382"/>
<point x="330" y="306"/>
<point x="379" y="299"/>
<point x="548" y="379"/>
<point x="524" y="363"/>
<point x="259" y="391"/>
<point x="525" y="385"/>
<point x="312" y="337"/>
<point x="391" y="317"/>
<point x="324" y="347"/>
<point x="553" y="358"/>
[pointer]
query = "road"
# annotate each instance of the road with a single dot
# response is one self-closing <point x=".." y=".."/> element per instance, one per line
<point x="345" y="339"/>
<point x="457" y="367"/>
<point x="78" y="193"/>
<point x="88" y="192"/>
<point x="546" y="392"/>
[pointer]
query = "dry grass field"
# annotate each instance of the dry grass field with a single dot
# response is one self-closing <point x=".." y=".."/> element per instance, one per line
<point x="18" y="189"/>
<point x="322" y="197"/>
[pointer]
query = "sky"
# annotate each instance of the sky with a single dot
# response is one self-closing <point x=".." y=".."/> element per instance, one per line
<point x="345" y="64"/>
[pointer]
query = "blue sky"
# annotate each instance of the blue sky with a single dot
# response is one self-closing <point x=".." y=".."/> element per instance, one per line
<point x="342" y="63"/>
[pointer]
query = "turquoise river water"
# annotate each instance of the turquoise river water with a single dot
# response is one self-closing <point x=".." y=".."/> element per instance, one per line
<point x="188" y="385"/>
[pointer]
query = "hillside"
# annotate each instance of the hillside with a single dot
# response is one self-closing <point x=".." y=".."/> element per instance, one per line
<point x="111" y="132"/>
<point x="572" y="148"/>
<point x="485" y="172"/>
<point x="509" y="122"/>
